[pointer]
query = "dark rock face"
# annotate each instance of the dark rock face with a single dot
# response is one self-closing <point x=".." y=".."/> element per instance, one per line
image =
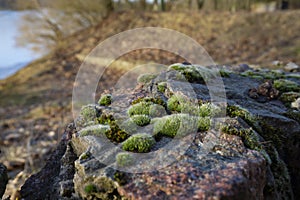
<point x="3" y="179"/>
<point x="55" y="180"/>
<point x="250" y="151"/>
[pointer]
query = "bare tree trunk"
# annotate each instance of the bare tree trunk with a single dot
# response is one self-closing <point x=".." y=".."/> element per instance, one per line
<point x="163" y="5"/>
<point x="200" y="4"/>
<point x="143" y="4"/>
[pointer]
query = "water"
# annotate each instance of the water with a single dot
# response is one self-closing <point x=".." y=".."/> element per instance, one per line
<point x="12" y="57"/>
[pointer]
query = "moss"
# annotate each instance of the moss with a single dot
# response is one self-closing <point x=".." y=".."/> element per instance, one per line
<point x="105" y="100"/>
<point x="141" y="120"/>
<point x="141" y="108"/>
<point x="85" y="155"/>
<point x="115" y="133"/>
<point x="289" y="97"/>
<point x="97" y="130"/>
<point x="286" y="85"/>
<point x="146" y="78"/>
<point x="225" y="73"/>
<point x="175" y="125"/>
<point x="121" y="178"/>
<point x="181" y="104"/>
<point x="161" y="87"/>
<point x="264" y="74"/>
<point x="204" y="123"/>
<point x="157" y="111"/>
<point x="250" y="139"/>
<point x="173" y="103"/>
<point x="293" y="114"/>
<point x="140" y="143"/>
<point x="158" y="101"/>
<point x="90" y="188"/>
<point x="190" y="72"/>
<point x="89" y="113"/>
<point x="280" y="173"/>
<point x="124" y="159"/>
<point x="209" y="109"/>
<point x="270" y="133"/>
<point x="236" y="111"/>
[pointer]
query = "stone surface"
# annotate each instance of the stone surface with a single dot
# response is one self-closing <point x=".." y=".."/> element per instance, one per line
<point x="3" y="179"/>
<point x="251" y="151"/>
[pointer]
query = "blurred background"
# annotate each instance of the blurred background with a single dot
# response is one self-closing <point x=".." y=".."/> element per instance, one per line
<point x="44" y="42"/>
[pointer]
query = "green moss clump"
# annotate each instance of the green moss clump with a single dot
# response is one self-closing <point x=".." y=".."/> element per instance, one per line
<point x="158" y="101"/>
<point x="209" y="110"/>
<point x="204" y="123"/>
<point x="124" y="159"/>
<point x="146" y="78"/>
<point x="236" y="111"/>
<point x="225" y="73"/>
<point x="181" y="104"/>
<point x="141" y="120"/>
<point x="141" y="108"/>
<point x="97" y="130"/>
<point x="115" y="133"/>
<point x="190" y="72"/>
<point x="162" y="86"/>
<point x="175" y="125"/>
<point x="286" y="85"/>
<point x="105" y="100"/>
<point x="89" y="113"/>
<point x="289" y="97"/>
<point x="85" y="156"/>
<point x="157" y="111"/>
<point x="264" y="74"/>
<point x="174" y="103"/>
<point x="90" y="188"/>
<point x="253" y="74"/>
<point x="140" y="143"/>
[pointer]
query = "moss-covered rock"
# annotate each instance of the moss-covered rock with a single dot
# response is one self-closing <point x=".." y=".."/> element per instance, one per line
<point x="89" y="114"/>
<point x="190" y="72"/>
<point x="157" y="111"/>
<point x="105" y="100"/>
<point x="209" y="110"/>
<point x="174" y="103"/>
<point x="175" y="125"/>
<point x="264" y="74"/>
<point x="141" y="120"/>
<point x="141" y="108"/>
<point x="204" y="123"/>
<point x="162" y="86"/>
<point x="146" y="78"/>
<point x="124" y="159"/>
<point x="289" y="97"/>
<point x="96" y="130"/>
<point x="284" y="85"/>
<point x="140" y="143"/>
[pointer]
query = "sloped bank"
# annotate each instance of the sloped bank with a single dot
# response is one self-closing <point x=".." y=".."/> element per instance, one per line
<point x="250" y="151"/>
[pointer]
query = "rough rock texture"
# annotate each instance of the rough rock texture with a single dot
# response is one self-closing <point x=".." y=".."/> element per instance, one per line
<point x="3" y="179"/>
<point x="249" y="152"/>
<point x="54" y="181"/>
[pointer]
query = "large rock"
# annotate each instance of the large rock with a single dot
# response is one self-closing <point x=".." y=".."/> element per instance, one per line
<point x="3" y="179"/>
<point x="182" y="134"/>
